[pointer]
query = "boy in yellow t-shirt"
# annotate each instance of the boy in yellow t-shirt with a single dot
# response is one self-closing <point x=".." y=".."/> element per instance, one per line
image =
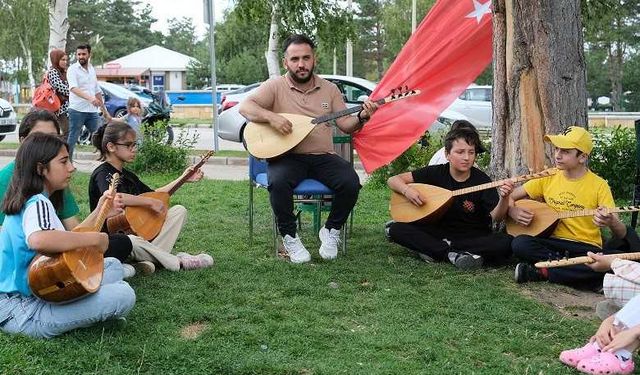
<point x="574" y="188"/>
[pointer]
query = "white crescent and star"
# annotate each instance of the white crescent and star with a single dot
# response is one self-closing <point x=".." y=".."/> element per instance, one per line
<point x="479" y="10"/>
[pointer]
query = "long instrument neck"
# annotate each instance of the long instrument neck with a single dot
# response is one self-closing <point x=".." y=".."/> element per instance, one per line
<point x="102" y="215"/>
<point x="494" y="184"/>
<point x="591" y="212"/>
<point x="348" y="111"/>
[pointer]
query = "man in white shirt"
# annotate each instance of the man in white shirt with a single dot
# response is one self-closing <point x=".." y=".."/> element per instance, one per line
<point x="85" y="97"/>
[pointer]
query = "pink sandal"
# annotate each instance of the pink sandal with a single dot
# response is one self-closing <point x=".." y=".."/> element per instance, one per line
<point x="573" y="356"/>
<point x="605" y="363"/>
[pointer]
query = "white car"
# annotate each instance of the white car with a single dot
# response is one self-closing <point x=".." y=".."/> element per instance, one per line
<point x="354" y="91"/>
<point x="474" y="104"/>
<point x="231" y="123"/>
<point x="8" y="119"/>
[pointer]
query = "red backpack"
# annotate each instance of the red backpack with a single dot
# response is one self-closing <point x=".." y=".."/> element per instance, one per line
<point x="45" y="97"/>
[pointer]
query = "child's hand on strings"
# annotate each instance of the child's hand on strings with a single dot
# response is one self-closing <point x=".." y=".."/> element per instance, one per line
<point x="195" y="177"/>
<point x="506" y="188"/>
<point x="157" y="206"/>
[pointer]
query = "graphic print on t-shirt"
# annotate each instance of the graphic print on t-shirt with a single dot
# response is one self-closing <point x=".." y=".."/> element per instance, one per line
<point x="468" y="206"/>
<point x="565" y="201"/>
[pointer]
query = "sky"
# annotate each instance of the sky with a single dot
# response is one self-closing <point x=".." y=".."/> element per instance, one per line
<point x="163" y="10"/>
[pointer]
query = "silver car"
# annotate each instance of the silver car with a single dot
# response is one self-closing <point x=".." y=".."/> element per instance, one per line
<point x="231" y="123"/>
<point x="354" y="91"/>
<point x="8" y="119"/>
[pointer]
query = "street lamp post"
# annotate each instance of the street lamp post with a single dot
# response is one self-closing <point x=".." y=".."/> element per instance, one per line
<point x="209" y="16"/>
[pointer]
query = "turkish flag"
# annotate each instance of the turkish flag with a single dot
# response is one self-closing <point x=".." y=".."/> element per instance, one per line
<point x="450" y="48"/>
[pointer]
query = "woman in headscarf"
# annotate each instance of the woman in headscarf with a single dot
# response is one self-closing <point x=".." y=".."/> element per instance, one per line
<point x="57" y="77"/>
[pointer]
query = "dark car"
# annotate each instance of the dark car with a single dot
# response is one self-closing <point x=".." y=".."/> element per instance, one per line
<point x="115" y="98"/>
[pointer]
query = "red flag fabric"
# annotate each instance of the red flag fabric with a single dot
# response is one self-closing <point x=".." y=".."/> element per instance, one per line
<point x="449" y="49"/>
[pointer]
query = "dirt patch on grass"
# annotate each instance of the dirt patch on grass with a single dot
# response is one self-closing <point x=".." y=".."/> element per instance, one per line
<point x="568" y="301"/>
<point x="193" y="331"/>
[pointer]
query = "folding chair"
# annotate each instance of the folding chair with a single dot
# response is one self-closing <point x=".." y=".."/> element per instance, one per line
<point x="309" y="196"/>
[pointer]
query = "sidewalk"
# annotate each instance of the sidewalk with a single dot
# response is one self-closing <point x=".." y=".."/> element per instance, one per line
<point x="214" y="160"/>
<point x="216" y="168"/>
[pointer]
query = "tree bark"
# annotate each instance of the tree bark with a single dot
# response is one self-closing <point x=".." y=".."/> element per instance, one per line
<point x="58" y="24"/>
<point x="539" y="81"/>
<point x="271" y="55"/>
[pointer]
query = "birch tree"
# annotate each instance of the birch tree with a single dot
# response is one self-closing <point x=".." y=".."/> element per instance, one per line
<point x="58" y="24"/>
<point x="325" y="21"/>
<point x="26" y="31"/>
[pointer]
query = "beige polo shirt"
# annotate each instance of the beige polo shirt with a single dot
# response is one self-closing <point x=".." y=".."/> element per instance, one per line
<point x="279" y="95"/>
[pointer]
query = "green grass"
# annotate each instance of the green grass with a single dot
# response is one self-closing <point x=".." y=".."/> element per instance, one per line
<point x="376" y="310"/>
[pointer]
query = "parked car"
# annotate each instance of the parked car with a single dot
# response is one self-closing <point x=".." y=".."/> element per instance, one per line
<point x="354" y="91"/>
<point x="8" y="119"/>
<point x="225" y="87"/>
<point x="115" y="98"/>
<point x="475" y="105"/>
<point x="231" y="123"/>
<point x="140" y="91"/>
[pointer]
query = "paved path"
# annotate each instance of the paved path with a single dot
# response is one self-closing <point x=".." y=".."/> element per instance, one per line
<point x="217" y="168"/>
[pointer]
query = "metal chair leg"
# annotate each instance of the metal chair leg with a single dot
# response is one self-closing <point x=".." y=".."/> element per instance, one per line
<point x="250" y="213"/>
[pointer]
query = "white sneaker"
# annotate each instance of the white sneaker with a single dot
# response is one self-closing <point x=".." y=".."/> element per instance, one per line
<point x="128" y="271"/>
<point x="295" y="249"/>
<point x="330" y="241"/>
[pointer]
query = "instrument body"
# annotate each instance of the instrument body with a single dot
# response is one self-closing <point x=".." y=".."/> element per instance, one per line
<point x="139" y="220"/>
<point x="438" y="199"/>
<point x="73" y="274"/>
<point x="583" y="260"/>
<point x="144" y="222"/>
<point x="545" y="219"/>
<point x="264" y="142"/>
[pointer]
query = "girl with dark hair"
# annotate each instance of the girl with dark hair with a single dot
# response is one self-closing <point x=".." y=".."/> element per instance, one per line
<point x="57" y="77"/>
<point x="31" y="226"/>
<point x="118" y="145"/>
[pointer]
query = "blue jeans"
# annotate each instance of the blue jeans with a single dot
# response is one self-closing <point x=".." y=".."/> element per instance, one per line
<point x="76" y="121"/>
<point x="37" y="318"/>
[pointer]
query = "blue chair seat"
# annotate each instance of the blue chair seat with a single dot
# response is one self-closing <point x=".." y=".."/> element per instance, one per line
<point x="306" y="187"/>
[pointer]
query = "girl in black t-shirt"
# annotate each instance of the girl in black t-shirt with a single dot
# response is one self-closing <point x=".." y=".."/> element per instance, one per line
<point x="463" y="233"/>
<point x="118" y="145"/>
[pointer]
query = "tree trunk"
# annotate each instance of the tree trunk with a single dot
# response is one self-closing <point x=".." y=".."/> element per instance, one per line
<point x="539" y="81"/>
<point x="615" y="69"/>
<point x="58" y="24"/>
<point x="29" y="62"/>
<point x="271" y="55"/>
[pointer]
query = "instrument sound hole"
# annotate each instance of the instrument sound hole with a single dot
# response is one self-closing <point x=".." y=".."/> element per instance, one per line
<point x="60" y="284"/>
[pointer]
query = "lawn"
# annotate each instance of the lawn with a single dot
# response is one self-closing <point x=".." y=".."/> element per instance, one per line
<point x="376" y="310"/>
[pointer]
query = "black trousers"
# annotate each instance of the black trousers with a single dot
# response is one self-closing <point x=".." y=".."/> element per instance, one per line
<point x="119" y="247"/>
<point x="287" y="171"/>
<point x="533" y="249"/>
<point x="428" y="239"/>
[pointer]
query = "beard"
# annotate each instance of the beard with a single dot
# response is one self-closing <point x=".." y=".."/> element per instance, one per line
<point x="301" y="80"/>
<point x="83" y="62"/>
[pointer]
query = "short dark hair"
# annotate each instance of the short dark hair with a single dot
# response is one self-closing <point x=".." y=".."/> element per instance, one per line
<point x="468" y="135"/>
<point x="86" y="46"/>
<point x="297" y="39"/>
<point x="31" y="118"/>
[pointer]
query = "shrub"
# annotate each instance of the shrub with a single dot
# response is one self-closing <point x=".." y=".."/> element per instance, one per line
<point x="614" y="159"/>
<point x="154" y="155"/>
<point x="414" y="157"/>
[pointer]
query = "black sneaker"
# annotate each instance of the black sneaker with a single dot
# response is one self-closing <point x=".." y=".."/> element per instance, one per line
<point x="387" y="226"/>
<point x="525" y="272"/>
<point x="465" y="261"/>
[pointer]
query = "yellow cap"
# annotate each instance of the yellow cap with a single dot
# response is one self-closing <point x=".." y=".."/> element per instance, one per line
<point x="574" y="137"/>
